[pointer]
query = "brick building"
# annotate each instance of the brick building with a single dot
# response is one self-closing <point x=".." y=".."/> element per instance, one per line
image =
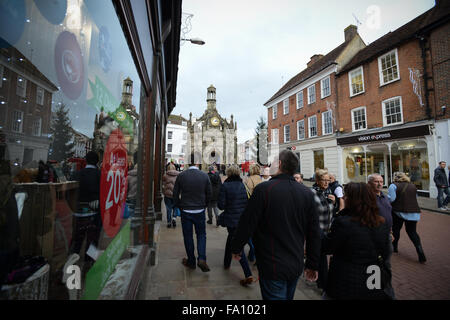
<point x="301" y="115"/>
<point x="390" y="98"/>
<point x="25" y="107"/>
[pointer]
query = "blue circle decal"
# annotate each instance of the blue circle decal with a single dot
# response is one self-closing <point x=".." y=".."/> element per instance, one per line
<point x="12" y="22"/>
<point x="53" y="10"/>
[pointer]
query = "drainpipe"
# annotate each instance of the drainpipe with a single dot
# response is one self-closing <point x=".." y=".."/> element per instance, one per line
<point x="422" y="42"/>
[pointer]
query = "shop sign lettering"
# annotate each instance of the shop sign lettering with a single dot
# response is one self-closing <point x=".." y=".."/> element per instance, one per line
<point x="374" y="137"/>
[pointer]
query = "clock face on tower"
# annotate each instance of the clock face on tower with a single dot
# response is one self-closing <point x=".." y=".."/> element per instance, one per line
<point x="215" y="121"/>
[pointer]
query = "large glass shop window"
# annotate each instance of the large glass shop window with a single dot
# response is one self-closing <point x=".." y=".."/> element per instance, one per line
<point x="68" y="87"/>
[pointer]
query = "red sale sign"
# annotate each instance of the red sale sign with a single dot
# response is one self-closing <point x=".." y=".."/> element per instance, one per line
<point x="113" y="183"/>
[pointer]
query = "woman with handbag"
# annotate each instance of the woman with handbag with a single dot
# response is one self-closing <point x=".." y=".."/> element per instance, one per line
<point x="405" y="209"/>
<point x="168" y="181"/>
<point x="233" y="200"/>
<point x="358" y="241"/>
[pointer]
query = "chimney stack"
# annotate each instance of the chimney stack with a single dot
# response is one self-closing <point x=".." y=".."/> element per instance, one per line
<point x="314" y="58"/>
<point x="350" y="32"/>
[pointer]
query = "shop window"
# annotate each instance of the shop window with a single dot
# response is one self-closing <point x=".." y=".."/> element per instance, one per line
<point x="301" y="129"/>
<point x="312" y="126"/>
<point x="392" y="111"/>
<point x="327" y="122"/>
<point x="388" y="67"/>
<point x="319" y="162"/>
<point x="359" y="119"/>
<point x="325" y="86"/>
<point x="356" y="81"/>
<point x="300" y="100"/>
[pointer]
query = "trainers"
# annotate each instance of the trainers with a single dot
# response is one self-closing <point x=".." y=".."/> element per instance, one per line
<point x="202" y="265"/>
<point x="443" y="208"/>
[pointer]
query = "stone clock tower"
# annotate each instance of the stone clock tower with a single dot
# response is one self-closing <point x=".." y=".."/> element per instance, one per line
<point x="212" y="138"/>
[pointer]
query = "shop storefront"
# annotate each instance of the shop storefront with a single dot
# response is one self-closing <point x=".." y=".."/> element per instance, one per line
<point x="102" y="70"/>
<point x="386" y="152"/>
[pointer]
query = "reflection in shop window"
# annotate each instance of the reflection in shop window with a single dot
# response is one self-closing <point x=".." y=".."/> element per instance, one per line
<point x="21" y="87"/>
<point x="37" y="123"/>
<point x="1" y="75"/>
<point x="40" y="96"/>
<point x="17" y="121"/>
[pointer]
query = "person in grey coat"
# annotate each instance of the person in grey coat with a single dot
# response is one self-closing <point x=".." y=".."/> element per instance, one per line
<point x="440" y="179"/>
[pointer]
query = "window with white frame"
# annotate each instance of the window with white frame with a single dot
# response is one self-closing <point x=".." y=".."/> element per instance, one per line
<point x="183" y="148"/>
<point x="312" y="126"/>
<point x="17" y="121"/>
<point x="301" y="129"/>
<point x="356" y="81"/>
<point x="286" y="106"/>
<point x="359" y="121"/>
<point x="21" y="87"/>
<point x="287" y="133"/>
<point x="388" y="67"/>
<point x="327" y="122"/>
<point x="40" y="96"/>
<point x="300" y="100"/>
<point x="184" y="135"/>
<point x="325" y="86"/>
<point x="274" y="111"/>
<point x="311" y="94"/>
<point x="169" y="135"/>
<point x="37" y="125"/>
<point x="275" y="136"/>
<point x="169" y="147"/>
<point x="392" y="111"/>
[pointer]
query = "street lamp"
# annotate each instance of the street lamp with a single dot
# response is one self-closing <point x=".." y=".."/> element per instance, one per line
<point x="195" y="41"/>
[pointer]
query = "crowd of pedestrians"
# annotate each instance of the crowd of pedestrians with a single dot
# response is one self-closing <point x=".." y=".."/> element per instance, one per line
<point x="332" y="234"/>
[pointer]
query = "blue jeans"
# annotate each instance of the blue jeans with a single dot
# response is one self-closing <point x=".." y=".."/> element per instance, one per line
<point x="440" y="197"/>
<point x="228" y="256"/>
<point x="188" y="221"/>
<point x="251" y="252"/>
<point x="169" y="208"/>
<point x="278" y="289"/>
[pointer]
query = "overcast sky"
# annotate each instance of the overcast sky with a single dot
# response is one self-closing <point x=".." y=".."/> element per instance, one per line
<point x="253" y="47"/>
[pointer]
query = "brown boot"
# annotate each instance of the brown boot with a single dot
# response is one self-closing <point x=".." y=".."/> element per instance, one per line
<point x="202" y="265"/>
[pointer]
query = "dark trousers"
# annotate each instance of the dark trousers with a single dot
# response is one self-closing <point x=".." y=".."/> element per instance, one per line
<point x="278" y="289"/>
<point x="440" y="198"/>
<point x="323" y="267"/>
<point x="169" y="208"/>
<point x="188" y="222"/>
<point x="228" y="255"/>
<point x="410" y="226"/>
<point x="86" y="227"/>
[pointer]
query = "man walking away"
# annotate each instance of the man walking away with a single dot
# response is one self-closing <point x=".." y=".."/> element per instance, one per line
<point x="87" y="218"/>
<point x="192" y="194"/>
<point x="338" y="191"/>
<point x="280" y="214"/>
<point x="216" y="182"/>
<point x="440" y="179"/>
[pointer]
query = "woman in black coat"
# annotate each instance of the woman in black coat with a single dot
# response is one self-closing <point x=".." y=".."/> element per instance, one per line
<point x="357" y="237"/>
<point x="233" y="200"/>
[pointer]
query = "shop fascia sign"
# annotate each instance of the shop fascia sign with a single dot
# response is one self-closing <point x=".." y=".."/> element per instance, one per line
<point x="389" y="135"/>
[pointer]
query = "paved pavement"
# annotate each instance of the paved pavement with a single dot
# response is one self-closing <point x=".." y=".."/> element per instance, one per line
<point x="169" y="279"/>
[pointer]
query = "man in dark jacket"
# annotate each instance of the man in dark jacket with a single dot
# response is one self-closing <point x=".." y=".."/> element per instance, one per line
<point x="216" y="182"/>
<point x="194" y="188"/>
<point x="440" y="179"/>
<point x="87" y="216"/>
<point x="280" y="214"/>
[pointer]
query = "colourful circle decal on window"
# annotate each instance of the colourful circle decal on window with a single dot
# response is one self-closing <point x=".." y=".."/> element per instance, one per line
<point x="69" y="65"/>
<point x="104" y="49"/>
<point x="12" y="22"/>
<point x="113" y="183"/>
<point x="54" y="11"/>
